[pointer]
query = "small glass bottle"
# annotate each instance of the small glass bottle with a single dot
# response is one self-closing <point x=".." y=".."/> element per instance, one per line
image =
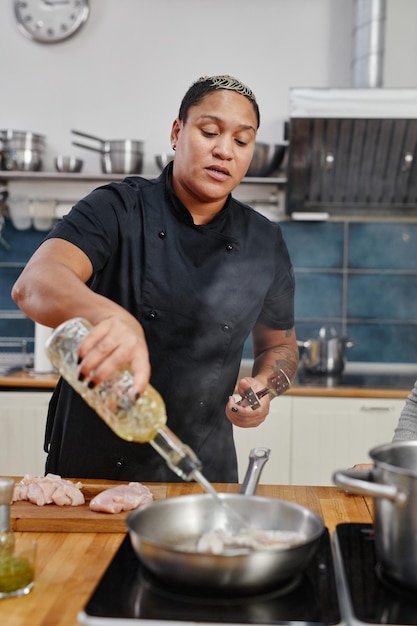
<point x="141" y="421"/>
<point x="7" y="539"/>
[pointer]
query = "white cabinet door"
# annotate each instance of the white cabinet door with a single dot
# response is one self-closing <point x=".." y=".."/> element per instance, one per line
<point x="334" y="433"/>
<point x="22" y="428"/>
<point x="273" y="433"/>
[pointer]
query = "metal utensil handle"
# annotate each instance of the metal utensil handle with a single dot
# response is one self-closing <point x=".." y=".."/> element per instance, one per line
<point x="81" y="145"/>
<point x="257" y="459"/>
<point x="80" y="134"/>
<point x="277" y="384"/>
<point x="360" y="483"/>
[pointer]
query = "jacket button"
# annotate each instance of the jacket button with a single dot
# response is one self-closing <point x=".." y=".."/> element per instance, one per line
<point x="152" y="315"/>
<point x="229" y="247"/>
<point x="162" y="234"/>
<point x="225" y="328"/>
<point x="120" y="462"/>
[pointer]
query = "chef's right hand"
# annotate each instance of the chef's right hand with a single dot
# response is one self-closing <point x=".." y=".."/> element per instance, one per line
<point x="115" y="342"/>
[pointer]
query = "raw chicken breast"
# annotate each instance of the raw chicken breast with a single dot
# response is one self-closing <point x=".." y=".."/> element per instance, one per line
<point x="49" y="489"/>
<point x="121" y="498"/>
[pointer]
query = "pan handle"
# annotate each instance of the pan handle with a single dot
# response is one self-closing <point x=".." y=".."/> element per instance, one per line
<point x="80" y="134"/>
<point x="257" y="459"/>
<point x="81" y="145"/>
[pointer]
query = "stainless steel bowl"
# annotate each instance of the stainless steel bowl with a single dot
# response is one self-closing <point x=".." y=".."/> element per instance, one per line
<point x="162" y="160"/>
<point x="266" y="160"/>
<point x="68" y="163"/>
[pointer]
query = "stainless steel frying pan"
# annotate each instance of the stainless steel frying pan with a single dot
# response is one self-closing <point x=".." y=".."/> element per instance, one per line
<point x="159" y="531"/>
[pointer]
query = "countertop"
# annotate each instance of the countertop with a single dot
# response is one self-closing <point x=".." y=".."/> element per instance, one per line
<point x="395" y="384"/>
<point x="70" y="564"/>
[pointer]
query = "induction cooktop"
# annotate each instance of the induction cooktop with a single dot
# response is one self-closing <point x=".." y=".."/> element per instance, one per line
<point x="128" y="593"/>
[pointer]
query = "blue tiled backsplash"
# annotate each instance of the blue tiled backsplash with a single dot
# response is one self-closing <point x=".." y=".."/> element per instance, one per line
<point x="360" y="277"/>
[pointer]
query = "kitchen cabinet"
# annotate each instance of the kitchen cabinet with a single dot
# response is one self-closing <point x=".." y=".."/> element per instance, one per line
<point x="334" y="433"/>
<point x="311" y="437"/>
<point x="22" y="428"/>
<point x="273" y="433"/>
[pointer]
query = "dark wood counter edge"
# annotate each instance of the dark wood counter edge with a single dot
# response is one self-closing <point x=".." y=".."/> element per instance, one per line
<point x="21" y="380"/>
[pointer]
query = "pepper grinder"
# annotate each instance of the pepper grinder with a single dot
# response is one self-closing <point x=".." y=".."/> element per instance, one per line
<point x="6" y="534"/>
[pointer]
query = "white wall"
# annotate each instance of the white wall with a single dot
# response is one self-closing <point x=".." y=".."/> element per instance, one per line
<point x="124" y="74"/>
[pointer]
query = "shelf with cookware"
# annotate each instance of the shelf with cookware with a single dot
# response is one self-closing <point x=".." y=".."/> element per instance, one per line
<point x="44" y="196"/>
<point x="15" y="175"/>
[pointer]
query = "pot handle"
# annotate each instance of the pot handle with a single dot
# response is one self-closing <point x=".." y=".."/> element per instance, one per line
<point x="257" y="459"/>
<point x="80" y="134"/>
<point x="360" y="483"/>
<point x="81" y="145"/>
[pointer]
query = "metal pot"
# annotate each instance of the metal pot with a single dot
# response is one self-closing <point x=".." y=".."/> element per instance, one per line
<point x="21" y="160"/>
<point x="21" y="150"/>
<point x="22" y="139"/>
<point x="325" y="354"/>
<point x="393" y="484"/>
<point x="119" y="156"/>
<point x="158" y="530"/>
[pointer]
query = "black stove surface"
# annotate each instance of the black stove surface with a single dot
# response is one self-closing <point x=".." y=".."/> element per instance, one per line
<point x="356" y="380"/>
<point x="128" y="592"/>
<point x="371" y="598"/>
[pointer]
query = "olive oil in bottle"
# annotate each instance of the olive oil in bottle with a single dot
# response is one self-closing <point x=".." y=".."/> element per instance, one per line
<point x="141" y="421"/>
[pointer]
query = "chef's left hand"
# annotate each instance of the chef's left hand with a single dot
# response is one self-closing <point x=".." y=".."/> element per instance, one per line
<point x="245" y="416"/>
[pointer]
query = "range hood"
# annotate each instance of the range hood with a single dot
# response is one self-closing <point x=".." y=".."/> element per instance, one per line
<point x="352" y="151"/>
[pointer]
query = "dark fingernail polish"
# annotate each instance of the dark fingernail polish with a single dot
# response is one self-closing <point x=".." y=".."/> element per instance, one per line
<point x="79" y="360"/>
<point x="234" y="409"/>
<point x="81" y="377"/>
<point x="137" y="395"/>
<point x="91" y="384"/>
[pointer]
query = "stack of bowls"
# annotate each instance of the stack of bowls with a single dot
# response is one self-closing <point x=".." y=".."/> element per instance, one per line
<point x="21" y="150"/>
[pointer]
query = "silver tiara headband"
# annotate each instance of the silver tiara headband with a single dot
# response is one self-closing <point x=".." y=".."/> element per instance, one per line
<point x="228" y="82"/>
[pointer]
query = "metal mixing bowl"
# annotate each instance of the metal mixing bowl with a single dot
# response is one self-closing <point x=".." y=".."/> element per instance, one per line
<point x="266" y="160"/>
<point x="68" y="163"/>
<point x="162" y="160"/>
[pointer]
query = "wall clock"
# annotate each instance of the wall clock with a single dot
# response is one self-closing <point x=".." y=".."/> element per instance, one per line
<point x="50" y="21"/>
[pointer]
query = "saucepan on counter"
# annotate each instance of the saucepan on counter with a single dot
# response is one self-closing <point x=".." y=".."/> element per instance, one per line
<point x="118" y="156"/>
<point x="325" y="354"/>
<point x="164" y="535"/>
<point x="393" y="484"/>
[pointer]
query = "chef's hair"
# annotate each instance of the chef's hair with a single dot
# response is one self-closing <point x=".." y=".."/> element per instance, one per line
<point x="206" y="84"/>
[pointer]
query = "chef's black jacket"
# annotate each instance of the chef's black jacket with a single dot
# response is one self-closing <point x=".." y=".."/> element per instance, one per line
<point x="197" y="290"/>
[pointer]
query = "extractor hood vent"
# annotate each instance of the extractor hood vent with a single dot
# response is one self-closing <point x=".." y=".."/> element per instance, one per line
<point x="353" y="151"/>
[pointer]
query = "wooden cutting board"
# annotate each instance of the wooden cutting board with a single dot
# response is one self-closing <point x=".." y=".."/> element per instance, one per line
<point x="26" y="516"/>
